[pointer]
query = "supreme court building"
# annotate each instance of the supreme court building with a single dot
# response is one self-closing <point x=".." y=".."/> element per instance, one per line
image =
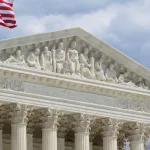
<point x="68" y="90"/>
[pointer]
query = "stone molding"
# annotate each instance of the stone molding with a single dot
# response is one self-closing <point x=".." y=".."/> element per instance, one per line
<point x="125" y="98"/>
<point x="73" y="106"/>
<point x="15" y="75"/>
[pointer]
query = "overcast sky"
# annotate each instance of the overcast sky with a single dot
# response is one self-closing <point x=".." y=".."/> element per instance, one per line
<point x="124" y="24"/>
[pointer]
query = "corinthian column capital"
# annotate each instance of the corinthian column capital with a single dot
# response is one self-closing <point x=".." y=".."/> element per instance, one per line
<point x="137" y="128"/>
<point x="20" y="113"/>
<point x="138" y="135"/>
<point x="138" y="131"/>
<point x="111" y="126"/>
<point x="83" y="122"/>
<point x="51" y="118"/>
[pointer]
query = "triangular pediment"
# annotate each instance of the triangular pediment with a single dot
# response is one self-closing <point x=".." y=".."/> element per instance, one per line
<point x="76" y="53"/>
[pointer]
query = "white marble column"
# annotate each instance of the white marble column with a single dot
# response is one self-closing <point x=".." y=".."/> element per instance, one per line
<point x="91" y="140"/>
<point x="1" y="129"/>
<point x="1" y="139"/>
<point x="49" y="131"/>
<point x="18" y="127"/>
<point x="29" y="141"/>
<point x="82" y="131"/>
<point x="137" y="139"/>
<point x="82" y="141"/>
<point x="61" y="139"/>
<point x="61" y="144"/>
<point x="110" y="133"/>
<point x="91" y="145"/>
<point x="29" y="138"/>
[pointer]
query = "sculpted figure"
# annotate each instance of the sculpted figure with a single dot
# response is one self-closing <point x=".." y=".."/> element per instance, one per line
<point x="147" y="84"/>
<point x="102" y="62"/>
<point x="99" y="72"/>
<point x="73" y="59"/>
<point x="33" y="59"/>
<point x="87" y="64"/>
<point x="46" y="60"/>
<point x="60" y="65"/>
<point x="124" y="81"/>
<point x="141" y="83"/>
<point x="17" y="59"/>
<point x="110" y="74"/>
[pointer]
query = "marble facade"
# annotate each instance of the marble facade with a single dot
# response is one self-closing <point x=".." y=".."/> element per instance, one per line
<point x="68" y="90"/>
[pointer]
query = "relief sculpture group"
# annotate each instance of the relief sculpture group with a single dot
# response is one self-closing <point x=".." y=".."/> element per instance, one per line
<point x="72" y="62"/>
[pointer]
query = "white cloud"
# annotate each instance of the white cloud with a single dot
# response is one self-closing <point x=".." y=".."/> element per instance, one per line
<point x="138" y="11"/>
<point x="95" y="22"/>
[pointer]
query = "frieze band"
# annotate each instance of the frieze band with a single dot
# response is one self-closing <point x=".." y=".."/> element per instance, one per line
<point x="85" y="63"/>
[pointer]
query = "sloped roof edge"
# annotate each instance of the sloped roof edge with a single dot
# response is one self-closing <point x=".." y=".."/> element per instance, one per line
<point x="87" y="37"/>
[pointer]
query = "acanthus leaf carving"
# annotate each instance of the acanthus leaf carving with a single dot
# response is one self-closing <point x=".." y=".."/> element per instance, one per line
<point x="20" y="113"/>
<point x="111" y="126"/>
<point x="51" y="118"/>
<point x="137" y="131"/>
<point x="83" y="122"/>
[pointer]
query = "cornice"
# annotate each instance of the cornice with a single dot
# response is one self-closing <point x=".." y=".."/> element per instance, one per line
<point x="71" y="83"/>
<point x="72" y="106"/>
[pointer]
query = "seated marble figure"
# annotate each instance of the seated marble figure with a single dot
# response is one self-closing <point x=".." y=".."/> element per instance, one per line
<point x="111" y="74"/>
<point x="46" y="60"/>
<point x="141" y="83"/>
<point x="99" y="72"/>
<point x="59" y="59"/>
<point x="86" y="64"/>
<point x="73" y="60"/>
<point x="122" y="79"/>
<point x="33" y="59"/>
<point x="17" y="59"/>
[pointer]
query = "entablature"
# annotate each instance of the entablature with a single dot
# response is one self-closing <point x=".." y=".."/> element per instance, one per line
<point x="15" y="78"/>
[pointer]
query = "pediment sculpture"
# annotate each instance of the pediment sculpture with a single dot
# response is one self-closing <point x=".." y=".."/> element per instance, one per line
<point x="17" y="58"/>
<point x="72" y="60"/>
<point x="33" y="59"/>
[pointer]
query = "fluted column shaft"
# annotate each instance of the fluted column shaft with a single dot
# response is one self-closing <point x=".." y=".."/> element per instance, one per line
<point x="111" y="127"/>
<point x="138" y="136"/>
<point x="61" y="144"/>
<point x="18" y="127"/>
<point x="109" y="142"/>
<point x="91" y="145"/>
<point x="29" y="141"/>
<point x="83" y="122"/>
<point x="137" y="142"/>
<point x="49" y="139"/>
<point x="49" y="131"/>
<point x="1" y="139"/>
<point x="18" y="136"/>
<point x="82" y="141"/>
